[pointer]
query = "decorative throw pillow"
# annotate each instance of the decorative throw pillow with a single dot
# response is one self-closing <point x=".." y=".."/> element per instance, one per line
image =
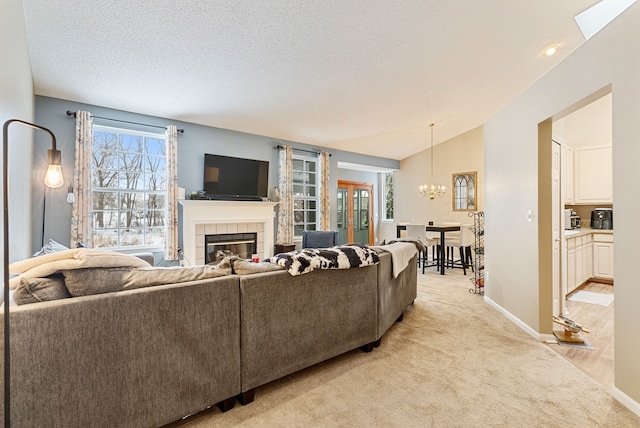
<point x="84" y="282"/>
<point x="50" y="247"/>
<point x="34" y="290"/>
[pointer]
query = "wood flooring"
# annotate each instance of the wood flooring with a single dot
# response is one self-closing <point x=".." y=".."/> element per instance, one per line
<point x="599" y="362"/>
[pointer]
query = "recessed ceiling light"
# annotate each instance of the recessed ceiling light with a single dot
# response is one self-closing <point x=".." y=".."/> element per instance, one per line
<point x="551" y="50"/>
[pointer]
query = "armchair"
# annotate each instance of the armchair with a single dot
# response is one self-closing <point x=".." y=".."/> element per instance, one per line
<point x="319" y="238"/>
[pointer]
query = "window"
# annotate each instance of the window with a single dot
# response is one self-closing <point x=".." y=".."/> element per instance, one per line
<point x="305" y="194"/>
<point x="128" y="184"/>
<point x="464" y="191"/>
<point x="387" y="196"/>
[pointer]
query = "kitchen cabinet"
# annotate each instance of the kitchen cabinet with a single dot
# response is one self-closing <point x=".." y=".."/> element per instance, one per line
<point x="575" y="263"/>
<point x="571" y="267"/>
<point x="568" y="174"/>
<point x="579" y="261"/>
<point x="587" y="258"/>
<point x="593" y="176"/>
<point x="603" y="256"/>
<point x="589" y="254"/>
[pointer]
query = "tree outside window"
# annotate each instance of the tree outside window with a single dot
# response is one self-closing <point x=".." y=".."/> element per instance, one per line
<point x="387" y="195"/>
<point x="129" y="189"/>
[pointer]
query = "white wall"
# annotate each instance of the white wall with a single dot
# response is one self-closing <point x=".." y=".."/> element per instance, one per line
<point x="17" y="102"/>
<point x="463" y="153"/>
<point x="612" y="57"/>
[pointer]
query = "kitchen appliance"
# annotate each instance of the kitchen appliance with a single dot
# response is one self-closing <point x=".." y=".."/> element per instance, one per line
<point x="602" y="218"/>
<point x="571" y="220"/>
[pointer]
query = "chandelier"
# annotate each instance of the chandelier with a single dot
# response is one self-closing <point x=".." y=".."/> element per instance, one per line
<point x="432" y="190"/>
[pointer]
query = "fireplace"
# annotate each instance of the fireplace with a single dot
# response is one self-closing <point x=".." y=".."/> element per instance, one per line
<point x="201" y="217"/>
<point x="220" y="245"/>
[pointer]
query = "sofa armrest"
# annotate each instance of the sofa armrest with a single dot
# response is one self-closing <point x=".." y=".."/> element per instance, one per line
<point x="394" y="294"/>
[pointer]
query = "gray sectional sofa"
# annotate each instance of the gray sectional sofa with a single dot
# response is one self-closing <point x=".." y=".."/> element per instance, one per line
<point x="150" y="356"/>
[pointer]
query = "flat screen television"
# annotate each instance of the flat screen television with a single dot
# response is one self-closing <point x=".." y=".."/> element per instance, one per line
<point x="230" y="178"/>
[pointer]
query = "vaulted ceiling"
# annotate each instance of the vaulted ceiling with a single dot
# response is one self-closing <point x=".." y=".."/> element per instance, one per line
<point x="366" y="76"/>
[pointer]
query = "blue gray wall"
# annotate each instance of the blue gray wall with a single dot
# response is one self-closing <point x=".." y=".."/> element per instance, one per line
<point x="196" y="140"/>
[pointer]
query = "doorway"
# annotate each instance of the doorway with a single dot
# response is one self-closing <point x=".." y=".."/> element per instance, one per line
<point x="583" y="137"/>
<point x="355" y="212"/>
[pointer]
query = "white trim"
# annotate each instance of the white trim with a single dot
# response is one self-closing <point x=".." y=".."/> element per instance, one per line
<point x="362" y="167"/>
<point x="123" y="130"/>
<point x="515" y="320"/>
<point x="625" y="400"/>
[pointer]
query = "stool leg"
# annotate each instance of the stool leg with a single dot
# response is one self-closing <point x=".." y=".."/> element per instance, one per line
<point x="463" y="260"/>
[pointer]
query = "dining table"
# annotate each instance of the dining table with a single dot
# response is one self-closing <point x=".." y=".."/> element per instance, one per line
<point x="442" y="229"/>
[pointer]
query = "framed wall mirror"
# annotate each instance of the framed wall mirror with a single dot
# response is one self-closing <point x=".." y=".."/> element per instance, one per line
<point x="464" y="191"/>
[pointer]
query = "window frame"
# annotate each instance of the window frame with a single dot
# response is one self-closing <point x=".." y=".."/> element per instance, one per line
<point x="306" y="200"/>
<point x="467" y="201"/>
<point x="140" y="193"/>
<point x="384" y="189"/>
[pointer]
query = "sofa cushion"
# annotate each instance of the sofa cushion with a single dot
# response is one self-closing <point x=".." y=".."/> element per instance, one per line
<point x="50" y="247"/>
<point x="83" y="282"/>
<point x="34" y="290"/>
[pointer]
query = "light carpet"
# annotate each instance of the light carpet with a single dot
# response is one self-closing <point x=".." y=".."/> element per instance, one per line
<point x="592" y="297"/>
<point x="453" y="362"/>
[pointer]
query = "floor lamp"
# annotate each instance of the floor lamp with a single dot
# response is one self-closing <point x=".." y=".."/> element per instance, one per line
<point x="53" y="178"/>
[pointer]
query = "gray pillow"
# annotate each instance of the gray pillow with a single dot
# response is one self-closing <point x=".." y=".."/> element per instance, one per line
<point x="50" y="247"/>
<point x="84" y="282"/>
<point x="244" y="267"/>
<point x="34" y="290"/>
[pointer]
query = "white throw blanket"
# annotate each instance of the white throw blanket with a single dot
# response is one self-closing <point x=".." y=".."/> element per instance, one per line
<point x="77" y="258"/>
<point x="401" y="254"/>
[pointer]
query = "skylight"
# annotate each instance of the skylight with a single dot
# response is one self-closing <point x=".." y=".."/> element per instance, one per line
<point x="599" y="15"/>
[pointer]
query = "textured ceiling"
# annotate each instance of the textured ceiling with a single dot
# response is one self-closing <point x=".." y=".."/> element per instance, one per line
<point x="366" y="76"/>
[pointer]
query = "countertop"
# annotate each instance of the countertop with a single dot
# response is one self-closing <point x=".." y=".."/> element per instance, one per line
<point x="571" y="233"/>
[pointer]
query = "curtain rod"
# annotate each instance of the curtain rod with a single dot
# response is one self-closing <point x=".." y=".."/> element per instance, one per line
<point x="73" y="113"/>
<point x="299" y="150"/>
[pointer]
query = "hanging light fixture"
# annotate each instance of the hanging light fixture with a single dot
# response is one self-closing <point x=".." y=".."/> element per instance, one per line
<point x="432" y="190"/>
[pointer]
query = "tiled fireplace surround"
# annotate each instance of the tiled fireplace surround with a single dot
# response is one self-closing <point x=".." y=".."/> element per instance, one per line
<point x="200" y="218"/>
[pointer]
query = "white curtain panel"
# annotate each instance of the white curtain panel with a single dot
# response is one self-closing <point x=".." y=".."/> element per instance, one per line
<point x="171" y="239"/>
<point x="285" y="207"/>
<point x="325" y="219"/>
<point x="81" y="229"/>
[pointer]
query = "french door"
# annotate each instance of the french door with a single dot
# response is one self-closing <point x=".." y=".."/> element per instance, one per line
<point x="355" y="212"/>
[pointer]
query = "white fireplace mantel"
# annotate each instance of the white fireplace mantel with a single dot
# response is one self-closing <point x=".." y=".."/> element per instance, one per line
<point x="201" y="214"/>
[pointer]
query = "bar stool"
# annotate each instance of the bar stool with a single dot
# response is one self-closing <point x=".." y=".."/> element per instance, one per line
<point x="461" y="240"/>
<point x="418" y="231"/>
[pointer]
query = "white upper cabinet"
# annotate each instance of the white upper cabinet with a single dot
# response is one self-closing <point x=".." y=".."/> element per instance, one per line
<point x="593" y="175"/>
<point x="568" y="172"/>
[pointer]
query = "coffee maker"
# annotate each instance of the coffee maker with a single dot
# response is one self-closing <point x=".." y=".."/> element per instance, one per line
<point x="602" y="218"/>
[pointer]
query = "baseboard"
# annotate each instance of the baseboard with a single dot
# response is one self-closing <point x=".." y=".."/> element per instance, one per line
<point x="626" y="401"/>
<point x="620" y="396"/>
<point x="517" y="321"/>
